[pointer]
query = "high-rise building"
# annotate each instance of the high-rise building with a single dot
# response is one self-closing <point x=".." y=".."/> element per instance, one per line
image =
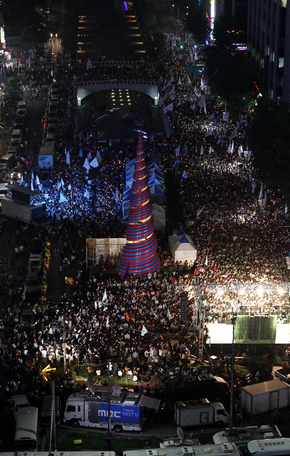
<point x="268" y="43"/>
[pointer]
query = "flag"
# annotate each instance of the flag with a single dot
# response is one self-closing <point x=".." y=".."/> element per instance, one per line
<point x="200" y="211"/>
<point x="240" y="151"/>
<point x="201" y="84"/>
<point x="117" y="196"/>
<point x="253" y="185"/>
<point x="104" y="296"/>
<point x="286" y="208"/>
<point x="211" y="116"/>
<point x="127" y="316"/>
<point x="107" y="322"/>
<point x="87" y="194"/>
<point x="62" y="182"/>
<point x="261" y="191"/>
<point x="153" y="313"/>
<point x="206" y="261"/>
<point x="67" y="157"/>
<point x="94" y="163"/>
<point x="188" y="80"/>
<point x="177" y="151"/>
<point x="168" y="108"/>
<point x="185" y="174"/>
<point x="210" y="150"/>
<point x="176" y="164"/>
<point x="201" y="149"/>
<point x="89" y="156"/>
<point x="144" y="331"/>
<point x="81" y="153"/>
<point x="21" y="180"/>
<point x="32" y="181"/>
<point x="62" y="198"/>
<point x="234" y="133"/>
<point x="169" y="316"/>
<point x="204" y="107"/>
<point x="86" y="164"/>
<point x="179" y="82"/>
<point x="171" y="92"/>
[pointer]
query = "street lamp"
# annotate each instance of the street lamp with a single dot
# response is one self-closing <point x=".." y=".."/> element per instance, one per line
<point x="232" y="376"/>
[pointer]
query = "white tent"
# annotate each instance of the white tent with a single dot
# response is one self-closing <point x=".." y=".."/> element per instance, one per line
<point x="182" y="248"/>
<point x="159" y="217"/>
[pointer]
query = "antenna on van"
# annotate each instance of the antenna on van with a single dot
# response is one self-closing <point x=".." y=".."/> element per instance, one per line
<point x="180" y="434"/>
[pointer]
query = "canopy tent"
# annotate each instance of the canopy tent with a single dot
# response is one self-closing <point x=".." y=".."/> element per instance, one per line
<point x="157" y="194"/>
<point x="159" y="217"/>
<point x="182" y="248"/>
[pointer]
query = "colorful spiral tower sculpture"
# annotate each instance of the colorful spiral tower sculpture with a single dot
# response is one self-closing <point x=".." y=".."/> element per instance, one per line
<point x="139" y="254"/>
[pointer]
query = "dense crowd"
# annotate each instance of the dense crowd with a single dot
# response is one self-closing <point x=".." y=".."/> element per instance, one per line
<point x="241" y="238"/>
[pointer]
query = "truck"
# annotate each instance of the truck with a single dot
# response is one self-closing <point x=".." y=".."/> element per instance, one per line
<point x="23" y="212"/>
<point x="126" y="410"/>
<point x="265" y="396"/>
<point x="26" y="432"/>
<point x="213" y="387"/>
<point x="46" y="155"/>
<point x="199" y="412"/>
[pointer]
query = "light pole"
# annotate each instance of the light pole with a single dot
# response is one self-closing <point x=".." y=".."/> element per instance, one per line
<point x="232" y="376"/>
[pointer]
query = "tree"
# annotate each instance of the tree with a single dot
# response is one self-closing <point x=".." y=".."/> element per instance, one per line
<point x="28" y="18"/>
<point x="269" y="138"/>
<point x="196" y="21"/>
<point x="231" y="77"/>
<point x="10" y="99"/>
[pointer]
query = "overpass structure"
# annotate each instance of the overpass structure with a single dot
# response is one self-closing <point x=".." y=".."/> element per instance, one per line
<point x="85" y="89"/>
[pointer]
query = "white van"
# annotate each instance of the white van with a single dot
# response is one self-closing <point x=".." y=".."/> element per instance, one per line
<point x="26" y="433"/>
<point x="16" y="137"/>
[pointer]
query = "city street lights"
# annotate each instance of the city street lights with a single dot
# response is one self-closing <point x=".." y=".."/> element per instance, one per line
<point x="232" y="375"/>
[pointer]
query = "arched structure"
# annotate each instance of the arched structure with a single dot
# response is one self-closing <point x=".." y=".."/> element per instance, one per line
<point x="85" y="89"/>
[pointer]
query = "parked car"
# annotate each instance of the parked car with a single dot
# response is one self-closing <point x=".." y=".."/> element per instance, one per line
<point x="35" y="263"/>
<point x="36" y="247"/>
<point x="16" y="137"/>
<point x="21" y="112"/>
<point x="32" y="282"/>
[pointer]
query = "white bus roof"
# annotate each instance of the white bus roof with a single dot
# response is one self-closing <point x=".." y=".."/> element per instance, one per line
<point x="61" y="453"/>
<point x="269" y="446"/>
<point x="194" y="450"/>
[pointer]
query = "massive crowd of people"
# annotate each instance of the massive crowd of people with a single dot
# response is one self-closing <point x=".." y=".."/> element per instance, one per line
<point x="237" y="225"/>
